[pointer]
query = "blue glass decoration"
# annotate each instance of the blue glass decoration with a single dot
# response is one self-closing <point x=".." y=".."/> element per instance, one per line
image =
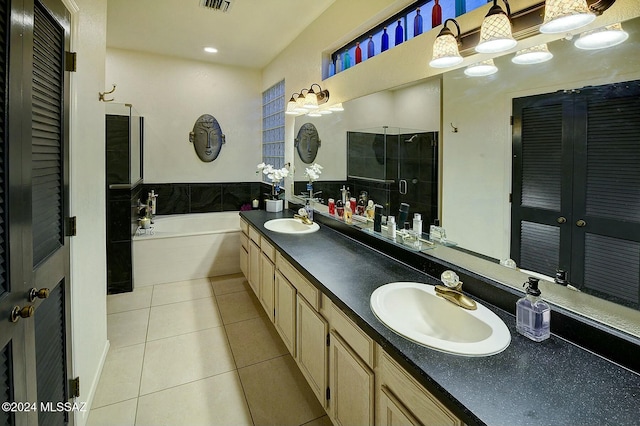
<point x="399" y="33"/>
<point x="385" y="40"/>
<point x="346" y="60"/>
<point x="371" y="50"/>
<point x="338" y="64"/>
<point x="332" y="68"/>
<point x="417" y="24"/>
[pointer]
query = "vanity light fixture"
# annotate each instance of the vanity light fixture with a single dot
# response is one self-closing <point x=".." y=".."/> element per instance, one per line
<point x="565" y="15"/>
<point x="292" y="105"/>
<point x="311" y="99"/>
<point x="300" y="100"/>
<point x="445" y="47"/>
<point x="533" y="55"/>
<point x="495" y="32"/>
<point x="481" y="69"/>
<point x="600" y="38"/>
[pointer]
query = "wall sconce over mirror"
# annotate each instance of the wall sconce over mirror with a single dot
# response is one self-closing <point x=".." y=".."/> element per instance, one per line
<point x="495" y="32"/>
<point x="445" y="47"/>
<point x="309" y="102"/>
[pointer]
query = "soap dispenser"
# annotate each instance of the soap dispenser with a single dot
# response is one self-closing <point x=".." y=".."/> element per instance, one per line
<point x="533" y="315"/>
<point x="309" y="209"/>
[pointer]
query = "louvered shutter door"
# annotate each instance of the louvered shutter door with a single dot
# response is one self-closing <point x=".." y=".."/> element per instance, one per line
<point x="48" y="54"/>
<point x="3" y="144"/>
<point x="6" y="418"/>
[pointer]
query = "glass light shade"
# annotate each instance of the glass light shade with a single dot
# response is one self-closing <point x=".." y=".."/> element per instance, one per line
<point x="600" y="38"/>
<point x="533" y="55"/>
<point x="565" y="15"/>
<point x="300" y="100"/>
<point x="445" y="52"/>
<point x="495" y="34"/>
<point x="481" y="69"/>
<point x="314" y="114"/>
<point x="292" y="107"/>
<point x="311" y="100"/>
<point x="337" y="107"/>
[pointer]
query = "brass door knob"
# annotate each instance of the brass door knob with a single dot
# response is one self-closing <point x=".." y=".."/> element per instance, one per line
<point x="24" y="312"/>
<point x="561" y="219"/>
<point x="34" y="294"/>
<point x="581" y="223"/>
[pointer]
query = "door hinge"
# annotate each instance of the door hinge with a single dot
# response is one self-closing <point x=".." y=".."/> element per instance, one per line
<point x="328" y="339"/>
<point x="328" y="393"/>
<point x="70" y="61"/>
<point x="511" y="120"/>
<point x="74" y="388"/>
<point x="511" y="197"/>
<point x="72" y="229"/>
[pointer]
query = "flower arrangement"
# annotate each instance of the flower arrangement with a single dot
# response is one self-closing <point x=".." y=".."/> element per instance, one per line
<point x="275" y="175"/>
<point x="313" y="173"/>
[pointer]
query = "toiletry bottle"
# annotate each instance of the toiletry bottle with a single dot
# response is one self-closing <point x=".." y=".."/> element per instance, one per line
<point x="340" y="209"/>
<point x="417" y="24"/>
<point x="309" y="209"/>
<point x="417" y="224"/>
<point x="399" y="33"/>
<point x="391" y="227"/>
<point x="403" y="214"/>
<point x="360" y="207"/>
<point x="533" y="315"/>
<point x="377" y="218"/>
<point x="348" y="213"/>
<point x="358" y="53"/>
<point x="371" y="48"/>
<point x="370" y="210"/>
<point x="353" y="204"/>
<point x="343" y="195"/>
<point x="332" y="207"/>
<point x="385" y="40"/>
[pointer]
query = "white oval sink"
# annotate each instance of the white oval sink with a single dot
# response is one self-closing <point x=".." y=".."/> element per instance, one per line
<point x="414" y="311"/>
<point x="290" y="226"/>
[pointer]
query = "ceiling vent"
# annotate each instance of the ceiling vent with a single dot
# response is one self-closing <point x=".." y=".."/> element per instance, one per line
<point x="219" y="5"/>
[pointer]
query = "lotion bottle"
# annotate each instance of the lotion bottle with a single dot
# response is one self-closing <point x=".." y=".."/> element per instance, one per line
<point x="417" y="224"/>
<point x="533" y="315"/>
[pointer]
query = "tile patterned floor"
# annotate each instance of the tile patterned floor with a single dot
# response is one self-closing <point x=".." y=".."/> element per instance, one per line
<point x="198" y="352"/>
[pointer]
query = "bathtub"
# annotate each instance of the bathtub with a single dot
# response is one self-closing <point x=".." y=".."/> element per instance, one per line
<point x="186" y="247"/>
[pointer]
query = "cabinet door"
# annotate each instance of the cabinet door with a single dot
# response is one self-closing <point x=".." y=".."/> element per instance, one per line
<point x="312" y="348"/>
<point x="244" y="262"/>
<point x="254" y="267"/>
<point x="392" y="413"/>
<point x="285" y="312"/>
<point x="351" y="384"/>
<point x="266" y="285"/>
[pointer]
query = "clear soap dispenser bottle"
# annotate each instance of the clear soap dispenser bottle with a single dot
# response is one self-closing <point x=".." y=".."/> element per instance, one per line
<point x="533" y="315"/>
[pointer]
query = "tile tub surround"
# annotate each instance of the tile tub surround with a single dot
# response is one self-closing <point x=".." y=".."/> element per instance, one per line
<point x="553" y="382"/>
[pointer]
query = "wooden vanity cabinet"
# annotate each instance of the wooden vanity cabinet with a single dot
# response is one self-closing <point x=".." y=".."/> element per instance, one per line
<point x="312" y="351"/>
<point x="285" y="311"/>
<point x="244" y="248"/>
<point x="267" y="277"/>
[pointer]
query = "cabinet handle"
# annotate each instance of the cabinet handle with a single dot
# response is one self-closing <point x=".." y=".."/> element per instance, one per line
<point x="581" y="223"/>
<point x="561" y="219"/>
<point x="17" y="312"/>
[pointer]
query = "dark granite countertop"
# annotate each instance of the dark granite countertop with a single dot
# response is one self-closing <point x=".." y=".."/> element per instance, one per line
<point x="554" y="382"/>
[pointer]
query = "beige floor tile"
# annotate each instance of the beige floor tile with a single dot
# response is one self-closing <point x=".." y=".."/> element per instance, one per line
<point x="127" y="328"/>
<point x="254" y="340"/>
<point x="120" y="378"/>
<point x="182" y="359"/>
<point x="217" y="400"/>
<point x="278" y="394"/>
<point x="137" y="299"/>
<point x="322" y="421"/>
<point x="229" y="284"/>
<point x="120" y="414"/>
<point x="181" y="291"/>
<point x="183" y="317"/>
<point x="239" y="306"/>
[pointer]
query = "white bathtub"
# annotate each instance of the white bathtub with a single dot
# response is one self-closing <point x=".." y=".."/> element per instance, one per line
<point x="187" y="246"/>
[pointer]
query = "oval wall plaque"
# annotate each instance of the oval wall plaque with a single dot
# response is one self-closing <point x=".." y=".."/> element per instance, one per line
<point x="307" y="142"/>
<point x="207" y="138"/>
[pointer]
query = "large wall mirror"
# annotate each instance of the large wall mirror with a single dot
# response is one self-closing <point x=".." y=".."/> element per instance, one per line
<point x="476" y="156"/>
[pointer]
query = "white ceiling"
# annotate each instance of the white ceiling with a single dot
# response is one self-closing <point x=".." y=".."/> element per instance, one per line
<point x="251" y="34"/>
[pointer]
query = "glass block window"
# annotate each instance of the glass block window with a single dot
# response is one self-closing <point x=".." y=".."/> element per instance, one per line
<point x="273" y="107"/>
<point x="399" y="28"/>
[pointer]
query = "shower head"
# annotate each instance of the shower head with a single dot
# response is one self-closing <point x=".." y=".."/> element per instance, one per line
<point x="411" y="139"/>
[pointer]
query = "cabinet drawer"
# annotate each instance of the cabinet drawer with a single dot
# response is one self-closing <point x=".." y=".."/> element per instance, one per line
<point x="244" y="241"/>
<point x="358" y="341"/>
<point x="419" y="402"/>
<point x="254" y="235"/>
<point x="268" y="249"/>
<point x="244" y="226"/>
<point x="304" y="287"/>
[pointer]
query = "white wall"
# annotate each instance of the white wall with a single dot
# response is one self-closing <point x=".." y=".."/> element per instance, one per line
<point x="87" y="193"/>
<point x="171" y="94"/>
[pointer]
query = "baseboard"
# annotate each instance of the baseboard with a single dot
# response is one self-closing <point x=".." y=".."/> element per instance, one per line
<point x="82" y="416"/>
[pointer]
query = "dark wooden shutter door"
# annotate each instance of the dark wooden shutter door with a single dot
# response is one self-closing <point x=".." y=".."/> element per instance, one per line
<point x="608" y="193"/>
<point x="3" y="136"/>
<point x="540" y="183"/>
<point x="5" y="384"/>
<point x="48" y="62"/>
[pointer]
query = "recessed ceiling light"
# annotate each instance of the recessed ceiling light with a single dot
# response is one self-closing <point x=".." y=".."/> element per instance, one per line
<point x="211" y="50"/>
